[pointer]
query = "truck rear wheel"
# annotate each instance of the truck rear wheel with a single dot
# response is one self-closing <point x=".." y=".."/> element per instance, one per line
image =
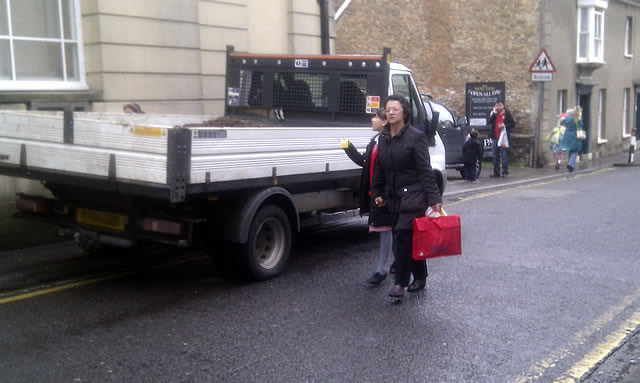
<point x="266" y="252"/>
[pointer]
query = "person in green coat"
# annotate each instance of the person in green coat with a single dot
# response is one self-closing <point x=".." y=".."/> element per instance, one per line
<point x="570" y="140"/>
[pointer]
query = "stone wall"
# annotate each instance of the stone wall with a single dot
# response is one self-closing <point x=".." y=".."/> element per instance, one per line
<point x="448" y="43"/>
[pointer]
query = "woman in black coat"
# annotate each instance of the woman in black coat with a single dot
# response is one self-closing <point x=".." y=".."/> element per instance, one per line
<point x="406" y="184"/>
<point x="379" y="217"/>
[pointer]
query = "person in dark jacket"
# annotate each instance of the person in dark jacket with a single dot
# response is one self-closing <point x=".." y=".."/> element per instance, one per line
<point x="472" y="152"/>
<point x="379" y="217"/>
<point x="500" y="118"/>
<point x="405" y="183"/>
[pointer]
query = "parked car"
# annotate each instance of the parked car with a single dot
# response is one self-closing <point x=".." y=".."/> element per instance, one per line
<point x="454" y="133"/>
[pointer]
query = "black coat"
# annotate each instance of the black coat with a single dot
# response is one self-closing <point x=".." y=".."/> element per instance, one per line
<point x="509" y="124"/>
<point x="403" y="176"/>
<point x="472" y="150"/>
<point x="378" y="216"/>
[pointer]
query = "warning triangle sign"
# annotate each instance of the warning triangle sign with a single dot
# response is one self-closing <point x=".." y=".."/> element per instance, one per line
<point x="542" y="63"/>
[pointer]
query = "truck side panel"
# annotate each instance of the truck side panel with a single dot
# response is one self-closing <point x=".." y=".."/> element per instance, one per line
<point x="248" y="153"/>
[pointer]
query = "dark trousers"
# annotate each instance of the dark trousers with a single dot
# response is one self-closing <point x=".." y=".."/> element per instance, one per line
<point x="405" y="265"/>
<point x="469" y="171"/>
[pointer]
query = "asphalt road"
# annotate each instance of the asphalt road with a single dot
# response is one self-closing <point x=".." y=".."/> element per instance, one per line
<point x="546" y="288"/>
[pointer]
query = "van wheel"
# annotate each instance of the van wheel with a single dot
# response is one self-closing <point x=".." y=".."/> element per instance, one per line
<point x="478" y="170"/>
<point x="267" y="250"/>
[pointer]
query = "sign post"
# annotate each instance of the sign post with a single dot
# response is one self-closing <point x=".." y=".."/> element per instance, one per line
<point x="541" y="71"/>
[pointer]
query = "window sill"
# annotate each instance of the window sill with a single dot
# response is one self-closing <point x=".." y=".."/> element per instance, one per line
<point x="29" y="86"/>
<point x="590" y="61"/>
<point x="602" y="140"/>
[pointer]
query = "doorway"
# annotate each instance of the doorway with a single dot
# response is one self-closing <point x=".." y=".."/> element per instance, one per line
<point x="584" y="100"/>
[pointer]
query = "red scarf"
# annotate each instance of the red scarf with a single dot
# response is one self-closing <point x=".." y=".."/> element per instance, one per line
<point x="374" y="154"/>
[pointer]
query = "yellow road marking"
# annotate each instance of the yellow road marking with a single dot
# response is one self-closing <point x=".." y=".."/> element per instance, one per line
<point x="50" y="288"/>
<point x="537" y="370"/>
<point x="601" y="351"/>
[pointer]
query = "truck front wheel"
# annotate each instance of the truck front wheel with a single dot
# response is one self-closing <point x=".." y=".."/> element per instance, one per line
<point x="266" y="252"/>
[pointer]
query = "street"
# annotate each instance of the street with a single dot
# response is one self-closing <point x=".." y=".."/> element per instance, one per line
<point x="546" y="287"/>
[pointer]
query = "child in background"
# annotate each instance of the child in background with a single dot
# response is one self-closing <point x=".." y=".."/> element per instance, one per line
<point x="555" y="140"/>
<point x="472" y="151"/>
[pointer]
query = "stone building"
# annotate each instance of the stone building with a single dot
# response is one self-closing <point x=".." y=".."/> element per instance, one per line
<point x="166" y="55"/>
<point x="447" y="44"/>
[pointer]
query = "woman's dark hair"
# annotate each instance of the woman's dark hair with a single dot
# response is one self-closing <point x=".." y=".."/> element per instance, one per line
<point x="406" y="108"/>
<point x="135" y="108"/>
<point x="381" y="115"/>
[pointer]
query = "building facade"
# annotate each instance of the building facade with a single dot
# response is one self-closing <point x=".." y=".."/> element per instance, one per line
<point x="168" y="56"/>
<point x="593" y="46"/>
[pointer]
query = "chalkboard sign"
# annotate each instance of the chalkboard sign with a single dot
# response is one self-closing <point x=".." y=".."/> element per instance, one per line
<point x="481" y="97"/>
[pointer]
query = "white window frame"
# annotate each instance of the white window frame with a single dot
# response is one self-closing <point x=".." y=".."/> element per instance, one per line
<point x="626" y="109"/>
<point x="602" y="116"/>
<point x="39" y="85"/>
<point x="595" y="9"/>
<point x="628" y="38"/>
<point x="562" y="102"/>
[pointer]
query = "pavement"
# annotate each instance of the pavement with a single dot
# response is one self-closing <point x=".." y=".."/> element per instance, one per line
<point x="456" y="186"/>
<point x="619" y="367"/>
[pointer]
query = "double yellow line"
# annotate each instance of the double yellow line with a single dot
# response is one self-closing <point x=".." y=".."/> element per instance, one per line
<point x="599" y="353"/>
<point x="44" y="289"/>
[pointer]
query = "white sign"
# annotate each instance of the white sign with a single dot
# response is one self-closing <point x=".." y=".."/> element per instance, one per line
<point x="478" y="122"/>
<point x="301" y="63"/>
<point x="541" y="76"/>
<point x="542" y="63"/>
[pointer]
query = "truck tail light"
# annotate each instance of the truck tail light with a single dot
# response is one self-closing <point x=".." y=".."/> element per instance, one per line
<point x="33" y="205"/>
<point x="162" y="226"/>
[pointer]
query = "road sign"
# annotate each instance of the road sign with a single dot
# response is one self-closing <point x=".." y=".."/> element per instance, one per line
<point x="537" y="76"/>
<point x="542" y="64"/>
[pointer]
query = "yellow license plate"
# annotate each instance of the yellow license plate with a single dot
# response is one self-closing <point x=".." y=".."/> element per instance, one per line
<point x="100" y="218"/>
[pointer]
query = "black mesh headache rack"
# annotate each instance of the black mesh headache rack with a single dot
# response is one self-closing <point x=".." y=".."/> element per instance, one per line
<point x="325" y="87"/>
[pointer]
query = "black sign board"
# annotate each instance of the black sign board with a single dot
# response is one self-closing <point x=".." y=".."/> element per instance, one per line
<point x="481" y="97"/>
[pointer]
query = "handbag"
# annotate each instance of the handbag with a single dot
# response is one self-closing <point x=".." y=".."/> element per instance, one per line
<point x="411" y="199"/>
<point x="503" y="140"/>
<point x="581" y="134"/>
<point x="436" y="237"/>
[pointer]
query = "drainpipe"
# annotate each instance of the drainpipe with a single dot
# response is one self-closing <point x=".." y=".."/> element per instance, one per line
<point x="324" y="27"/>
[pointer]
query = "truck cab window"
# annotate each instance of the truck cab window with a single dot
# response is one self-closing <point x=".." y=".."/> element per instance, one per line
<point x="402" y="85"/>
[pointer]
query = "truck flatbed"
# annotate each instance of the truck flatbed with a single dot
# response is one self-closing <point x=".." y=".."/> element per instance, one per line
<point x="169" y="155"/>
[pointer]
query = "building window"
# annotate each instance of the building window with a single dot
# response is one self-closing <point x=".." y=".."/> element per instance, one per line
<point x="562" y="102"/>
<point x="628" y="41"/>
<point x="626" y="108"/>
<point x="591" y="31"/>
<point x="40" y="45"/>
<point x="602" y="117"/>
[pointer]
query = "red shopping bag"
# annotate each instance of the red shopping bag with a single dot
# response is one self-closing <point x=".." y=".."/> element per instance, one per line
<point x="436" y="237"/>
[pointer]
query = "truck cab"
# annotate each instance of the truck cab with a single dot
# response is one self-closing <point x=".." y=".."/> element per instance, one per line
<point x="401" y="82"/>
